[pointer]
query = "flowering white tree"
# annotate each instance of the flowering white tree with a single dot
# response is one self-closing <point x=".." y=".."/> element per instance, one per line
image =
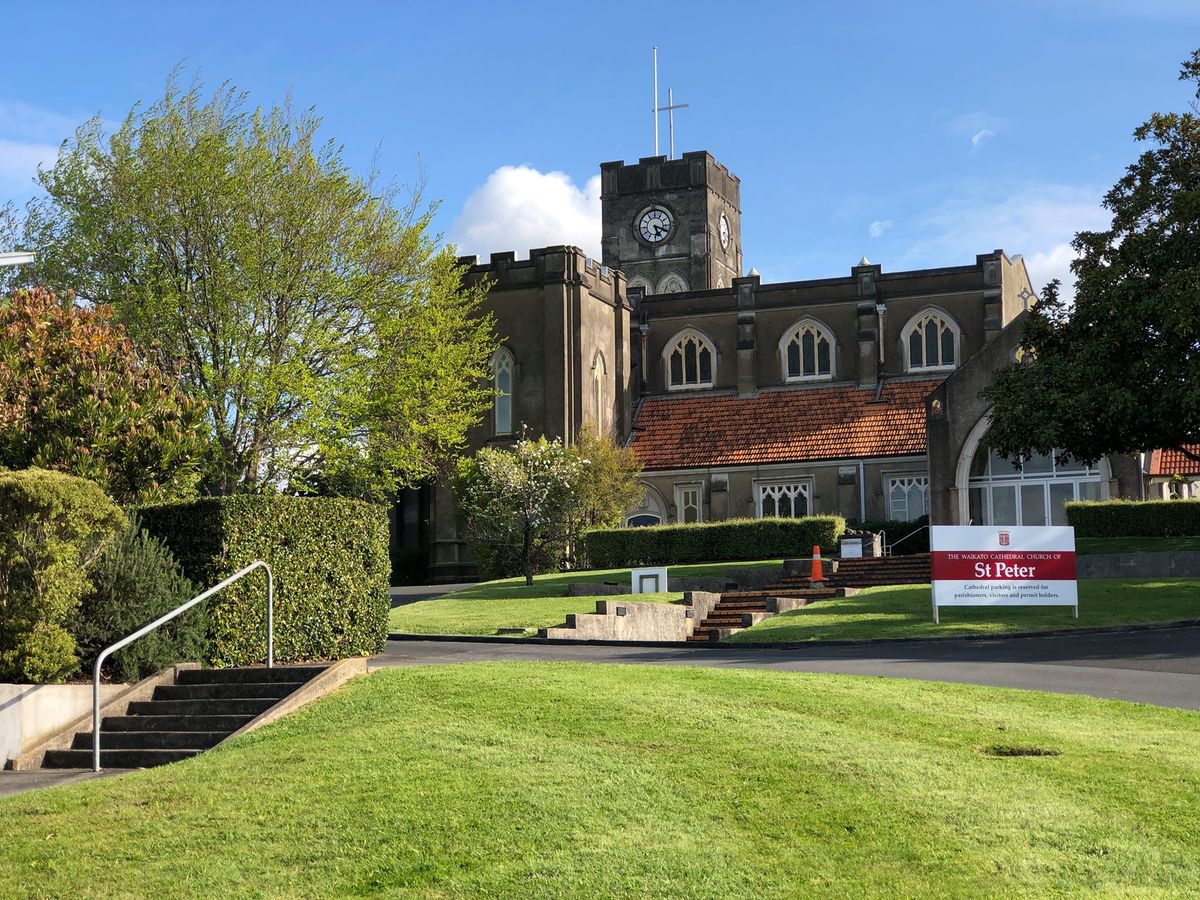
<point x="519" y="505"/>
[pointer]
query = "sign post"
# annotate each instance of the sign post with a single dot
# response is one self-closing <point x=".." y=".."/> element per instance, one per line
<point x="975" y="565"/>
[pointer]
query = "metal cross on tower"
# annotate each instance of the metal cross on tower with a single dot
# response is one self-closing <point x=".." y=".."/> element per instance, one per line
<point x="669" y="109"/>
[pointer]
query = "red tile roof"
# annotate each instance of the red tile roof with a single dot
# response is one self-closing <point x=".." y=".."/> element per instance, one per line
<point x="1174" y="462"/>
<point x="813" y="423"/>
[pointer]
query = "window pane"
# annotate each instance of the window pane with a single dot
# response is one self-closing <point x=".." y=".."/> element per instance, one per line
<point x="1089" y="490"/>
<point x="1033" y="504"/>
<point x="1068" y="465"/>
<point x="689" y="363"/>
<point x="931" y="343"/>
<point x="801" y="505"/>
<point x="793" y="360"/>
<point x="979" y="464"/>
<point x="1036" y="465"/>
<point x="643" y="521"/>
<point x="1060" y="494"/>
<point x="976" y="501"/>
<point x="809" y="353"/>
<point x="677" y="367"/>
<point x="947" y="347"/>
<point x="503" y="414"/>
<point x="898" y="497"/>
<point x="1004" y="505"/>
<point x="915" y="356"/>
<point x="1002" y="467"/>
<point x="823" y="366"/>
<point x="705" y="365"/>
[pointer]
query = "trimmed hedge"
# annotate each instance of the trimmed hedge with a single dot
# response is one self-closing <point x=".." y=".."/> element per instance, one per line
<point x="729" y="541"/>
<point x="1134" y="518"/>
<point x="329" y="558"/>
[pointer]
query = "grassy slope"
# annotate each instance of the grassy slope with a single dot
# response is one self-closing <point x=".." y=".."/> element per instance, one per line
<point x="509" y="603"/>
<point x="906" y="611"/>
<point x="575" y="780"/>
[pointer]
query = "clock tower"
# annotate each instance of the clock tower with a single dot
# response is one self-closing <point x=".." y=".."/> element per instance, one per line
<point x="672" y="224"/>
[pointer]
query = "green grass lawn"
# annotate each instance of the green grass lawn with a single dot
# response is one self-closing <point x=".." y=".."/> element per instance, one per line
<point x="1135" y="544"/>
<point x="509" y="603"/>
<point x="906" y="611"/>
<point x="553" y="780"/>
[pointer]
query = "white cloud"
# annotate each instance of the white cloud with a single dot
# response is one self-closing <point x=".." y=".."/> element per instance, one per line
<point x="19" y="163"/>
<point x="1035" y="220"/>
<point x="20" y="120"/>
<point x="979" y="137"/>
<point x="977" y="126"/>
<point x="519" y="208"/>
<point x="878" y="227"/>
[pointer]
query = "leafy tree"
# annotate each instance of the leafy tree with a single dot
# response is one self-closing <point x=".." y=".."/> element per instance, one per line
<point x="518" y="505"/>
<point x="606" y="486"/>
<point x="1119" y="370"/>
<point x="77" y="396"/>
<point x="328" y="339"/>
<point x="52" y="528"/>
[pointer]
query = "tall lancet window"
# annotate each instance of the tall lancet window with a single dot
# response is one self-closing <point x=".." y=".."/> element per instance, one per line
<point x="502" y="384"/>
<point x="599" y="376"/>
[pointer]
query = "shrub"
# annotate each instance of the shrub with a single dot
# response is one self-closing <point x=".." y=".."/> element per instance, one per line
<point x="134" y="582"/>
<point x="329" y="558"/>
<point x="77" y="396"/>
<point x="52" y="528"/>
<point x="1134" y="518"/>
<point x="736" y="539"/>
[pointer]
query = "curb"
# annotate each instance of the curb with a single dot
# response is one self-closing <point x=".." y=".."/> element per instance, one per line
<point x="793" y="645"/>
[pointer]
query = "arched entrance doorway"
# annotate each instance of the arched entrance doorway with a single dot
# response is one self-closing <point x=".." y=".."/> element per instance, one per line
<point x="1031" y="492"/>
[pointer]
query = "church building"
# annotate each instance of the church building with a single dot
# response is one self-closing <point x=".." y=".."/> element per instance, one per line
<point x="855" y="395"/>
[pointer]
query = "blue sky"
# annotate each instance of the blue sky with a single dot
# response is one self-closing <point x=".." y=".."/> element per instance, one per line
<point x="917" y="134"/>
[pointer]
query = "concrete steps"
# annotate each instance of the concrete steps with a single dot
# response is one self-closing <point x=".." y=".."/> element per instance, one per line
<point x="197" y="712"/>
<point x="882" y="570"/>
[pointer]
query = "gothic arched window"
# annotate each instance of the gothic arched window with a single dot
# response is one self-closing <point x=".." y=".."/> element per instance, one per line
<point x="672" y="283"/>
<point x="690" y="358"/>
<point x="502" y="385"/>
<point x="639" y="281"/>
<point x="931" y="341"/>
<point x="599" y="377"/>
<point x="807" y="351"/>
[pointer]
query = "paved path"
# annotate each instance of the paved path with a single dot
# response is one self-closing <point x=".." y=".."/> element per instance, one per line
<point x="1160" y="667"/>
<point x="16" y="782"/>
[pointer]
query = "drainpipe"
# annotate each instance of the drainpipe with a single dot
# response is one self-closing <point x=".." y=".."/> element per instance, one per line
<point x="862" y="493"/>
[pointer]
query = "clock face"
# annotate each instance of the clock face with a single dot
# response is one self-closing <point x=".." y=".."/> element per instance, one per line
<point x="724" y="231"/>
<point x="655" y="225"/>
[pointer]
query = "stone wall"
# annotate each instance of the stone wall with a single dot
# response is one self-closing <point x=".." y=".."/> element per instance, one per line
<point x="621" y="620"/>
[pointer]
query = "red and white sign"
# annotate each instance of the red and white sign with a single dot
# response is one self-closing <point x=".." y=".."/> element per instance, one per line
<point x="980" y="565"/>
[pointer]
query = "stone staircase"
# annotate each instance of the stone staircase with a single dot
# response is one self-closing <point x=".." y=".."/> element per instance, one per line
<point x="738" y="610"/>
<point x="202" y="708"/>
<point x="882" y="570"/>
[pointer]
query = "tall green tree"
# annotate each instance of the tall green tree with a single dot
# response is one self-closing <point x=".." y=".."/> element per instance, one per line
<point x="328" y="338"/>
<point x="1119" y="370"/>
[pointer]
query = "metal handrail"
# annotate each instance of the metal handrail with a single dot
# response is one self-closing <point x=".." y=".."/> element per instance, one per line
<point x="905" y="538"/>
<point x="199" y="598"/>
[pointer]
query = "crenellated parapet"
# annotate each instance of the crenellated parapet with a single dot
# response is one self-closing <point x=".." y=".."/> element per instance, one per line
<point x="655" y="173"/>
<point x="561" y="264"/>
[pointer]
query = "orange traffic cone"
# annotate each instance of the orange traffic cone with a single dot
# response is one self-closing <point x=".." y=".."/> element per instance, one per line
<point x="817" y="577"/>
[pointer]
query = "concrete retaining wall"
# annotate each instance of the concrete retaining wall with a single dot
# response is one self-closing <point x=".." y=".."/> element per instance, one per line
<point x="30" y="713"/>
<point x="745" y="579"/>
<point x="620" y="620"/>
<point x="1175" y="564"/>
